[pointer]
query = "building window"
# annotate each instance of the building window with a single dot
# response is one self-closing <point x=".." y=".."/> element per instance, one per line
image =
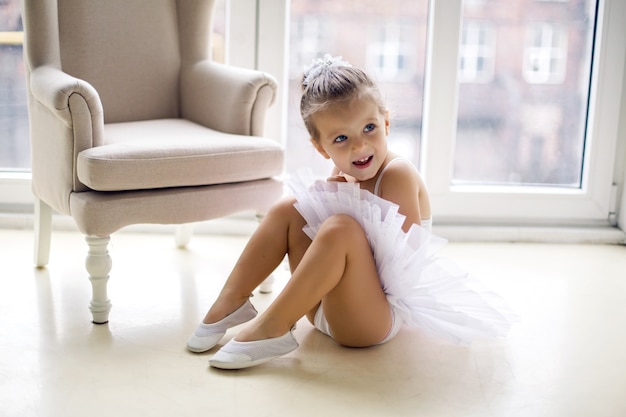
<point x="389" y="55"/>
<point x="545" y="54"/>
<point x="477" y="53"/>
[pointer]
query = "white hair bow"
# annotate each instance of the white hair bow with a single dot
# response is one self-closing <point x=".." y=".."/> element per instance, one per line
<point x="320" y="64"/>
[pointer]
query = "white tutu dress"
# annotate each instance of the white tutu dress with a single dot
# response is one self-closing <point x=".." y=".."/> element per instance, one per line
<point x="427" y="292"/>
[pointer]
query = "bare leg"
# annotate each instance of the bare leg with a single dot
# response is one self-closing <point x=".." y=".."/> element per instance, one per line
<point x="279" y="233"/>
<point x="338" y="269"/>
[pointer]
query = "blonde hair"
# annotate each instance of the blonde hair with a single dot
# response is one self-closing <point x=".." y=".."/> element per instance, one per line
<point x="329" y="81"/>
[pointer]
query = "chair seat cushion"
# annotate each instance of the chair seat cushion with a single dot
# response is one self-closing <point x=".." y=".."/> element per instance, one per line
<point x="174" y="153"/>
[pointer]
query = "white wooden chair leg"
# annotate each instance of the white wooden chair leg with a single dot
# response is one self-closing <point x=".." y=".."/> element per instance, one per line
<point x="183" y="235"/>
<point x="98" y="265"/>
<point x="43" y="231"/>
<point x="267" y="286"/>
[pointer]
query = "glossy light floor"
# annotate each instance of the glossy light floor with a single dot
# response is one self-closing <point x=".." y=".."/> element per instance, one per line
<point x="566" y="356"/>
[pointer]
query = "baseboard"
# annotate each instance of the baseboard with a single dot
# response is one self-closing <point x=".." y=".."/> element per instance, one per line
<point x="244" y="224"/>
<point x="538" y="234"/>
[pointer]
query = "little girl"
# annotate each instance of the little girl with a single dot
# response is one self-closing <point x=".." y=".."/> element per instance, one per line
<point x="359" y="244"/>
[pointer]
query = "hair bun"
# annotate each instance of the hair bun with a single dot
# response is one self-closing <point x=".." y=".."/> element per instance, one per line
<point x="320" y="64"/>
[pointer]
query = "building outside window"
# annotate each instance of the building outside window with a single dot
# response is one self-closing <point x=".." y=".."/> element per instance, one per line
<point x="517" y="80"/>
<point x="515" y="123"/>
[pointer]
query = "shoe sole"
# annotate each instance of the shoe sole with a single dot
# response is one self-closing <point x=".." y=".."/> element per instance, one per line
<point x="204" y="347"/>
<point x="194" y="350"/>
<point x="242" y="365"/>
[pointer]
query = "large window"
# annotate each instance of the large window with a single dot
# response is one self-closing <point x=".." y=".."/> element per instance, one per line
<point x="522" y="94"/>
<point x="510" y="108"/>
<point x="498" y="102"/>
<point x="519" y="150"/>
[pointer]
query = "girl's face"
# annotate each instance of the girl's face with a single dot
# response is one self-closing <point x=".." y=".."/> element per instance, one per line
<point x="354" y="135"/>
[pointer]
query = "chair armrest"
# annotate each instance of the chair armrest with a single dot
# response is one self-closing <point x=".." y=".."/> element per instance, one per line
<point x="53" y="88"/>
<point x="66" y="117"/>
<point x="226" y="98"/>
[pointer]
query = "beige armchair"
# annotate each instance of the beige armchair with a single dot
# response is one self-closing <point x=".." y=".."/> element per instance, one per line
<point x="132" y="123"/>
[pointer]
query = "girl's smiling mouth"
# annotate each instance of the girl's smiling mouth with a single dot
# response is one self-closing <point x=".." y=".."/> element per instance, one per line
<point x="361" y="163"/>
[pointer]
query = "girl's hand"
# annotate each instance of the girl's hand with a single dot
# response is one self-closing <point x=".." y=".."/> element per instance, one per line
<point x="337" y="178"/>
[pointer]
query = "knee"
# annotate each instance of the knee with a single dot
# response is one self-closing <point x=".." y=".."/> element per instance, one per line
<point x="283" y="216"/>
<point x="283" y="208"/>
<point x="342" y="226"/>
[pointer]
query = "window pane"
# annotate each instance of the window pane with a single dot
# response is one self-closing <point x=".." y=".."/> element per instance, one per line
<point x="526" y="124"/>
<point x="388" y="41"/>
<point x="14" y="145"/>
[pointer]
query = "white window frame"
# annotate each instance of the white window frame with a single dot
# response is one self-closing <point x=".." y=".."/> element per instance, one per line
<point x="472" y="204"/>
<point x="258" y="33"/>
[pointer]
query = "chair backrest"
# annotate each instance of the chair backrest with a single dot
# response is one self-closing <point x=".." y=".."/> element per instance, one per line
<point x="132" y="51"/>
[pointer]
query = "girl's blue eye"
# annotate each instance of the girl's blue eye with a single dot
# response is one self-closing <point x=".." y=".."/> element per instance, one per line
<point x="340" y="138"/>
<point x="369" y="127"/>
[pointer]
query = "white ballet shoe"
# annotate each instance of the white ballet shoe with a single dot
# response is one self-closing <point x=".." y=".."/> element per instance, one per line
<point x="239" y="355"/>
<point x="207" y="335"/>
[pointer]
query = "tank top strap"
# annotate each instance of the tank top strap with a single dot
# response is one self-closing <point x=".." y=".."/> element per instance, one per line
<point x="380" y="177"/>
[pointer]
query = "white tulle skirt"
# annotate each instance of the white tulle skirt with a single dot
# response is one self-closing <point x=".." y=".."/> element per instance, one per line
<point x="427" y="291"/>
